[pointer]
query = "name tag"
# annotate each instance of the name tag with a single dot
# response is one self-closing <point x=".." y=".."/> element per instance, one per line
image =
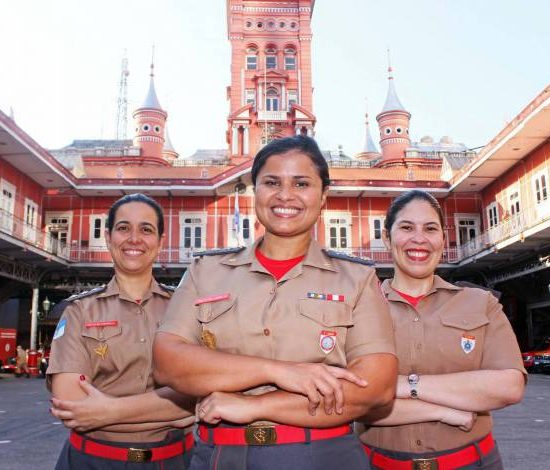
<point x="212" y="298"/>
<point x="101" y="323"/>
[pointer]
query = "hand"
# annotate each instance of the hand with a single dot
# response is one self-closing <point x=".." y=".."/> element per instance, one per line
<point x="94" y="411"/>
<point x="464" y="420"/>
<point x="233" y="407"/>
<point x="314" y="381"/>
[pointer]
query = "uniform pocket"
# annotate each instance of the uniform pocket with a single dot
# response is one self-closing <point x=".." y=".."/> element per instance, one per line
<point x="210" y="311"/>
<point x="102" y="333"/>
<point x="326" y="313"/>
<point x="465" y="323"/>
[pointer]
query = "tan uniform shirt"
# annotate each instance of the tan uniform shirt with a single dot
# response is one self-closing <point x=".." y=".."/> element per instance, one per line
<point x="453" y="329"/>
<point x="232" y="303"/>
<point x="117" y="357"/>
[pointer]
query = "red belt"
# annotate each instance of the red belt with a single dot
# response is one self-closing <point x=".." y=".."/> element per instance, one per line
<point x="466" y="456"/>
<point x="130" y="454"/>
<point x="257" y="435"/>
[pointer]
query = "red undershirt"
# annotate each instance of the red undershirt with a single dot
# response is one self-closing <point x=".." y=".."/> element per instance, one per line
<point x="410" y="298"/>
<point x="278" y="268"/>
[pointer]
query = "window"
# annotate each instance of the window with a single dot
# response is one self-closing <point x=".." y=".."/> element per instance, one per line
<point x="292" y="98"/>
<point x="7" y="205"/>
<point x="251" y="62"/>
<point x="541" y="187"/>
<point x="192" y="233"/>
<point x="98" y="223"/>
<point x="338" y="230"/>
<point x="290" y="62"/>
<point x="246" y="237"/>
<point x="514" y="202"/>
<point x="376" y="225"/>
<point x="31" y="220"/>
<point x="250" y="97"/>
<point x="58" y="226"/>
<point x="271" y="62"/>
<point x="272" y="100"/>
<point x="492" y="214"/>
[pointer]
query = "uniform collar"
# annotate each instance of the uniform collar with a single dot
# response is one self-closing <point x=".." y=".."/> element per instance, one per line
<point x="113" y="289"/>
<point x="438" y="284"/>
<point x="314" y="257"/>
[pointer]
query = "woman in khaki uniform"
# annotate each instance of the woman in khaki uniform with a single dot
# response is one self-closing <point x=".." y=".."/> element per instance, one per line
<point x="100" y="365"/>
<point x="458" y="356"/>
<point x="279" y="337"/>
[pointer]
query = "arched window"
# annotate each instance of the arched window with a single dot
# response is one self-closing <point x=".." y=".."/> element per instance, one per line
<point x="290" y="58"/>
<point x="272" y="100"/>
<point x="270" y="57"/>
<point x="251" y="58"/>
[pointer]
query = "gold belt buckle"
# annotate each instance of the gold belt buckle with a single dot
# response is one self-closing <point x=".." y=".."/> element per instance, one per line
<point x="260" y="435"/>
<point x="425" y="464"/>
<point x="139" y="455"/>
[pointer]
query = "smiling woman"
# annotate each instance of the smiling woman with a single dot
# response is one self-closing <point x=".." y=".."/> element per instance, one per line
<point x="279" y="340"/>
<point x="458" y="356"/>
<point x="100" y="363"/>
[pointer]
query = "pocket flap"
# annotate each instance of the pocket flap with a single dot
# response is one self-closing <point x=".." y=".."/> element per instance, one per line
<point x="465" y="322"/>
<point x="101" y="333"/>
<point x="210" y="311"/>
<point x="326" y="313"/>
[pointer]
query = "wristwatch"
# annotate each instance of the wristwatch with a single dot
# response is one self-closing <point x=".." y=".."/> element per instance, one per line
<point x="413" y="380"/>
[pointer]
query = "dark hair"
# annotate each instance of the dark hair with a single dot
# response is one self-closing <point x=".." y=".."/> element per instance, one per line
<point x="301" y="143"/>
<point x="403" y="199"/>
<point x="137" y="197"/>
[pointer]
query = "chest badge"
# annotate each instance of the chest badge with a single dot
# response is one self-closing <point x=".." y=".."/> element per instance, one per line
<point x="101" y="350"/>
<point x="333" y="297"/>
<point x="327" y="341"/>
<point x="468" y="343"/>
<point x="208" y="339"/>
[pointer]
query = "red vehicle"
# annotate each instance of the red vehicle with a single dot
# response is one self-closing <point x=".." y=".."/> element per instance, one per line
<point x="532" y="359"/>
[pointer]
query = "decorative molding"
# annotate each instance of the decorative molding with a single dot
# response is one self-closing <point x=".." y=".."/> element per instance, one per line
<point x="274" y="10"/>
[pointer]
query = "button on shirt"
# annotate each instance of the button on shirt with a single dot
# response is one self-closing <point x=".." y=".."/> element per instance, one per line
<point x="250" y="313"/>
<point x="453" y="329"/>
<point x="117" y="358"/>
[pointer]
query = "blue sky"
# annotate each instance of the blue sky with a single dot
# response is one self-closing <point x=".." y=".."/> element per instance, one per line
<point x="462" y="67"/>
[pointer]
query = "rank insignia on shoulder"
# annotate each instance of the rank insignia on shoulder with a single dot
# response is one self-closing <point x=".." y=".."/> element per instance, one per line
<point x="344" y="256"/>
<point x="87" y="293"/>
<point x="168" y="288"/>
<point x="220" y="251"/>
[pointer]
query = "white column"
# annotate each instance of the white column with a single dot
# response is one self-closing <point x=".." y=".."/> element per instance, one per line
<point x="260" y="98"/>
<point x="235" y="140"/>
<point x="284" y="106"/>
<point x="246" y="148"/>
<point x="34" y="317"/>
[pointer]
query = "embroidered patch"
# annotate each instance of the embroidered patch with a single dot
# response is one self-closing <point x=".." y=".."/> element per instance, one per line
<point x="333" y="297"/>
<point x="60" y="330"/>
<point x="212" y="298"/>
<point x="468" y="343"/>
<point x="327" y="341"/>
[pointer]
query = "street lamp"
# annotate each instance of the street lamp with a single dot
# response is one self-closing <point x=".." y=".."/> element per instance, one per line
<point x="46" y="305"/>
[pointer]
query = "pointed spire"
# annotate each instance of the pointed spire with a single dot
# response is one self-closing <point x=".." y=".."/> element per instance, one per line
<point x="167" y="142"/>
<point x="370" y="146"/>
<point x="151" y="101"/>
<point x="392" y="100"/>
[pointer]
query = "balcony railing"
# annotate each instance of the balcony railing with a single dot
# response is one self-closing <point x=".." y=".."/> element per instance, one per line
<point x="272" y="115"/>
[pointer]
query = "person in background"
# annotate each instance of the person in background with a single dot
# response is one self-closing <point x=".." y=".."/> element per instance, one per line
<point x="100" y="364"/>
<point x="458" y="356"/>
<point x="289" y="342"/>
<point x="21" y="366"/>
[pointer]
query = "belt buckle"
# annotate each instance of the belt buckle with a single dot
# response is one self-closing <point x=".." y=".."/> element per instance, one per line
<point x="425" y="464"/>
<point x="139" y="455"/>
<point x="260" y="435"/>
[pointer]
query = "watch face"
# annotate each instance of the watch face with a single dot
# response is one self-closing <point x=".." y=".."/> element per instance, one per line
<point x="413" y="379"/>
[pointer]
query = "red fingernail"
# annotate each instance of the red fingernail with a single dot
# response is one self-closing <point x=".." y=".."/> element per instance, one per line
<point x="82" y="377"/>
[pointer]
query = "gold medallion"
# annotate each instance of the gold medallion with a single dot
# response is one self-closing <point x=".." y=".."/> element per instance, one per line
<point x="208" y="339"/>
<point x="101" y="350"/>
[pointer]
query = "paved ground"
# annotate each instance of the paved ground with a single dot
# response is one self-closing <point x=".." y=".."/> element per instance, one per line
<point x="31" y="439"/>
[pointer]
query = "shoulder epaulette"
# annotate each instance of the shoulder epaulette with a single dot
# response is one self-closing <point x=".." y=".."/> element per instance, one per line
<point x="167" y="288"/>
<point x="219" y="251"/>
<point x="353" y="259"/>
<point x="87" y="293"/>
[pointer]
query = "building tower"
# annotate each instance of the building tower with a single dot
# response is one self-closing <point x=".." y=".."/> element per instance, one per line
<point x="271" y="91"/>
<point x="370" y="152"/>
<point x="150" y="122"/>
<point x="393" y="123"/>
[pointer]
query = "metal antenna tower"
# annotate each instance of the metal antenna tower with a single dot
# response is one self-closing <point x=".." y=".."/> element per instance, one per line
<point x="122" y="105"/>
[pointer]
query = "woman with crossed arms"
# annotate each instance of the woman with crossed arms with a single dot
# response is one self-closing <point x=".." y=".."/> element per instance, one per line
<point x="458" y="355"/>
<point x="281" y="338"/>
